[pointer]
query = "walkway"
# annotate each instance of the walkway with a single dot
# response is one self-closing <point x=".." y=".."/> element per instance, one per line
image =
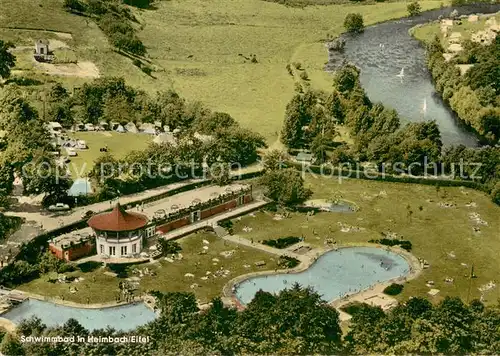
<point x="51" y="221"/>
<point x="275" y="251"/>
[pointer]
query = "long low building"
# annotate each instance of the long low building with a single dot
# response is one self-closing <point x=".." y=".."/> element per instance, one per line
<point x="124" y="233"/>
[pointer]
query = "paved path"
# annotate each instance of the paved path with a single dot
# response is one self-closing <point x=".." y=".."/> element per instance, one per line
<point x="53" y="221"/>
<point x="276" y="251"/>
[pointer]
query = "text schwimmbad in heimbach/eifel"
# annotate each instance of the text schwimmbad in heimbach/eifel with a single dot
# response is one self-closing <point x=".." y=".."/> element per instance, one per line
<point x="88" y="339"/>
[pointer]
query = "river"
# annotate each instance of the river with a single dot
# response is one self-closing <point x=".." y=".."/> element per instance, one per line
<point x="381" y="52"/>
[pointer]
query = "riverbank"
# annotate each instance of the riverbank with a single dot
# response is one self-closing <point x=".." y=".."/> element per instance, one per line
<point x="385" y="50"/>
<point x="456" y="62"/>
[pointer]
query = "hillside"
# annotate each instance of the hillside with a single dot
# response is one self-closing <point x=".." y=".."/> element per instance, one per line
<point x="199" y="48"/>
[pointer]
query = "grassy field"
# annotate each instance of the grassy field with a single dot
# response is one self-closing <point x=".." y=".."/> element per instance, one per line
<point x="119" y="145"/>
<point x="214" y="33"/>
<point x="427" y="32"/>
<point x="433" y="230"/>
<point x="169" y="276"/>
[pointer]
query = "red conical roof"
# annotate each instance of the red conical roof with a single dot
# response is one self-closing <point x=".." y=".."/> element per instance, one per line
<point x="118" y="220"/>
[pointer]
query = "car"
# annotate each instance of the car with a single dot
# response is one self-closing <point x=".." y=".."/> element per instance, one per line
<point x="87" y="215"/>
<point x="59" y="207"/>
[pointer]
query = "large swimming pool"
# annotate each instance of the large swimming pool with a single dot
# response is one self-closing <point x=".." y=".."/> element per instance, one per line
<point x="125" y="317"/>
<point x="334" y="274"/>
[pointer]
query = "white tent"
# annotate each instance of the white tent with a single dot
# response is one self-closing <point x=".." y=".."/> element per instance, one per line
<point x="165" y="138"/>
<point x="120" y="128"/>
<point x="130" y="127"/>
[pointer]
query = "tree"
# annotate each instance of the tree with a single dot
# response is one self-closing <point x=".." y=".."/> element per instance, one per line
<point x="11" y="346"/>
<point x="168" y="247"/>
<point x="285" y="186"/>
<point x="414" y="8"/>
<point x="274" y="160"/>
<point x="354" y="23"/>
<point x="221" y="173"/>
<point x="319" y="147"/>
<point x="43" y="176"/>
<point x="216" y="121"/>
<point x="74" y="5"/>
<point x="7" y="59"/>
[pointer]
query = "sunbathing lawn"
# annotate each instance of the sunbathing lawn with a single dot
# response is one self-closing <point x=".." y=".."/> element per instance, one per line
<point x="434" y="231"/>
<point x="119" y="145"/>
<point x="169" y="277"/>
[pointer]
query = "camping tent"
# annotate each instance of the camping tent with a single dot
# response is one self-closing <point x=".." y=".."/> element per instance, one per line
<point x="130" y="127"/>
<point x="165" y="138"/>
<point x="120" y="128"/>
<point x="81" y="186"/>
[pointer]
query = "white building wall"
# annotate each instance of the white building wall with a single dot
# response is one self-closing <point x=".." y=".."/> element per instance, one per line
<point x="104" y="244"/>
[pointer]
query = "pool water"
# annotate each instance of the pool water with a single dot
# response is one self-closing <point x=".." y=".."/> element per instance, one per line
<point x="125" y="317"/>
<point x="334" y="274"/>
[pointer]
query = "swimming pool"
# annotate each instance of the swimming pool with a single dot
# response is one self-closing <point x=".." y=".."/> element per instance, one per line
<point x="334" y="274"/>
<point x="124" y="317"/>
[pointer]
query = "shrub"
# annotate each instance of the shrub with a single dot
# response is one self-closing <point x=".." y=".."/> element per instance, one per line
<point x="168" y="247"/>
<point x="393" y="289"/>
<point x="414" y="9"/>
<point x="297" y="65"/>
<point x="282" y="242"/>
<point x="147" y="69"/>
<point x="354" y="23"/>
<point x="288" y="262"/>
<point x="226" y="224"/>
<point x="352" y="308"/>
<point x="137" y="63"/>
<point x="304" y="76"/>
<point x="404" y="244"/>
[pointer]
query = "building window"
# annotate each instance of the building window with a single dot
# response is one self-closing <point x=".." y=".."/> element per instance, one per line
<point x="124" y="250"/>
<point x="134" y="248"/>
<point x="112" y="250"/>
<point x="241" y="200"/>
<point x="102" y="249"/>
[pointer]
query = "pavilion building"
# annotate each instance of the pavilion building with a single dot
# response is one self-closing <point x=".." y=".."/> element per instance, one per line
<point x="119" y="233"/>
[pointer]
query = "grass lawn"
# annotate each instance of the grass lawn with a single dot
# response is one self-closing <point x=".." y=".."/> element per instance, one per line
<point x="119" y="145"/>
<point x="434" y="231"/>
<point x="427" y="32"/>
<point x="214" y="34"/>
<point x="169" y="276"/>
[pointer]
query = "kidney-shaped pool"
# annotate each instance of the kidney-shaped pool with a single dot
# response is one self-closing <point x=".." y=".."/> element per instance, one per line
<point x="334" y="274"/>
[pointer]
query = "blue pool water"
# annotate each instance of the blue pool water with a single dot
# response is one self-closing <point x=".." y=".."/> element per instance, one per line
<point x="334" y="274"/>
<point x="81" y="186"/>
<point x="125" y="317"/>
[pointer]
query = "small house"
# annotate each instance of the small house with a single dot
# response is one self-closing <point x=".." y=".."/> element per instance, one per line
<point x="304" y="157"/>
<point x="42" y="47"/>
<point x="42" y="51"/>
<point x="203" y="138"/>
